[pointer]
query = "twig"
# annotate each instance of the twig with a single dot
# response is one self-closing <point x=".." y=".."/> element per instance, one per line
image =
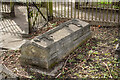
<point x="23" y="75"/>
<point x="65" y="63"/>
<point x="58" y="75"/>
<point x="108" y="69"/>
<point x="78" y="65"/>
<point x="63" y="66"/>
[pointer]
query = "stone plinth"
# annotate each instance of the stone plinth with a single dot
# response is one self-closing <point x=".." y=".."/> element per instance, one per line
<point x="49" y="48"/>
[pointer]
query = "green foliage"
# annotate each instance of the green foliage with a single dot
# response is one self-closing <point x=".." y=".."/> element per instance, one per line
<point x="32" y="77"/>
<point x="76" y="74"/>
<point x="63" y="72"/>
<point x="80" y="56"/>
<point x="115" y="40"/>
<point x="71" y="60"/>
<point x="104" y="2"/>
<point x="93" y="47"/>
<point x="87" y="44"/>
<point x="107" y="54"/>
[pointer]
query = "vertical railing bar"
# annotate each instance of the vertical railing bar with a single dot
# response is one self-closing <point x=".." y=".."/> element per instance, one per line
<point x="55" y="8"/>
<point x="2" y="7"/>
<point x="61" y="9"/>
<point x="89" y="11"/>
<point x="118" y="13"/>
<point x="47" y="9"/>
<point x="39" y="15"/>
<point x="58" y="10"/>
<point x="68" y="9"/>
<point x="71" y="9"/>
<point x="96" y="10"/>
<point x="85" y="9"/>
<point x="92" y="9"/>
<point x="78" y="8"/>
<point x="30" y="17"/>
<point x="103" y="10"/>
<point x="107" y="11"/>
<point x="82" y="10"/>
<point x="111" y="11"/>
<point x="64" y="8"/>
<point x="100" y="12"/>
<point x="6" y="7"/>
<point x="33" y="15"/>
<point x="115" y="11"/>
<point x="74" y="12"/>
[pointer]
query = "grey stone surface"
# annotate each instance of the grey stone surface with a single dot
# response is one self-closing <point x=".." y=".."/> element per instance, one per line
<point x="11" y="42"/>
<point x="10" y="30"/>
<point x="50" y="72"/>
<point x="49" y="48"/>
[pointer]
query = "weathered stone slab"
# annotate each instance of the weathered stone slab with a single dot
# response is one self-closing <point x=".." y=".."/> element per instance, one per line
<point x="49" y="48"/>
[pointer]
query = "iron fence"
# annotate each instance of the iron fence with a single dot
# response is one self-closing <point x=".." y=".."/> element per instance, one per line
<point x="97" y="13"/>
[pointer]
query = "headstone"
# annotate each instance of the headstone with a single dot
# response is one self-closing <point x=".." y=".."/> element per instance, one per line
<point x="49" y="48"/>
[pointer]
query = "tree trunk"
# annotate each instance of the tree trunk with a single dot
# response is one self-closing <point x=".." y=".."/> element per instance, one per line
<point x="50" y="15"/>
<point x="29" y="22"/>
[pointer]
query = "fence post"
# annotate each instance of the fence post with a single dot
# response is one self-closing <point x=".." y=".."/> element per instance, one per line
<point x="50" y="16"/>
<point x="12" y="13"/>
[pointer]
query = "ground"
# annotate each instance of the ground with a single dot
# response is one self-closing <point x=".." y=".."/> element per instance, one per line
<point x="94" y="59"/>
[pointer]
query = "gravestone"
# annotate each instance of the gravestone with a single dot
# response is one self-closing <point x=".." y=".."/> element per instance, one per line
<point x="49" y="48"/>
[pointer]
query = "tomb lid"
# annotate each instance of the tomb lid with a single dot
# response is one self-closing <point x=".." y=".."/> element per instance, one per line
<point x="59" y="32"/>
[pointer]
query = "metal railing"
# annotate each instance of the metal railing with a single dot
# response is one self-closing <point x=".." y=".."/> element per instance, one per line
<point x="97" y="13"/>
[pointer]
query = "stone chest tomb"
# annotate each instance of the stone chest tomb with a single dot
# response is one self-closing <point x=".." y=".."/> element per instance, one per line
<point x="49" y="48"/>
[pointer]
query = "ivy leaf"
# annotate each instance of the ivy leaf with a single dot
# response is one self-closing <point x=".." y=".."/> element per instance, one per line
<point x="63" y="72"/>
<point x="91" y="51"/>
<point x="96" y="52"/>
<point x="107" y="54"/>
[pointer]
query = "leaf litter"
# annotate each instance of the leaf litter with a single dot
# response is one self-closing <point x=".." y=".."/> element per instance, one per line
<point x="93" y="59"/>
